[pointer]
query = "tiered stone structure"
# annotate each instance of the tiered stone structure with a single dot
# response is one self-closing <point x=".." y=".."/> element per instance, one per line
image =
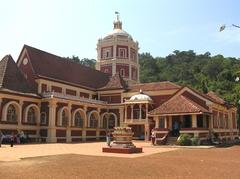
<point x="117" y="52"/>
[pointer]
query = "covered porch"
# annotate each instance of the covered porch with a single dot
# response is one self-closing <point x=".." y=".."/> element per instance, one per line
<point x="196" y="124"/>
<point x="181" y="115"/>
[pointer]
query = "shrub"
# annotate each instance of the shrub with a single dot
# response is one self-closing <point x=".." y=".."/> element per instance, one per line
<point x="184" y="140"/>
<point x="195" y="141"/>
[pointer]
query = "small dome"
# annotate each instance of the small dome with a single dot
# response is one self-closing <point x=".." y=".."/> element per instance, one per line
<point x="140" y="97"/>
<point x="118" y="32"/>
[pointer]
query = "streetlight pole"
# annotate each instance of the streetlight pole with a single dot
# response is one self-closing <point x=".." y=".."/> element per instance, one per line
<point x="223" y="27"/>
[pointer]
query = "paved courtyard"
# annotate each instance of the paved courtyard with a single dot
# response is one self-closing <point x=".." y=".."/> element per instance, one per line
<point x="18" y="152"/>
<point x="60" y="161"/>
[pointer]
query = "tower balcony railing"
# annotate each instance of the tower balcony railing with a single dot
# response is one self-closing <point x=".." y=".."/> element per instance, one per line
<point x="71" y="97"/>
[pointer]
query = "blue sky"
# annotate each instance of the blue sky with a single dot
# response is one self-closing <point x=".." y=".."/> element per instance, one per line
<point x="72" y="27"/>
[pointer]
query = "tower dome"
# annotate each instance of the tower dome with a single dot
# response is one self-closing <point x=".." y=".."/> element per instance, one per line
<point x="118" y="53"/>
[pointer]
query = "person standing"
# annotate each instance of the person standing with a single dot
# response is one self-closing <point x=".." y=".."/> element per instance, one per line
<point x="153" y="136"/>
<point x="12" y="139"/>
<point x="176" y="129"/>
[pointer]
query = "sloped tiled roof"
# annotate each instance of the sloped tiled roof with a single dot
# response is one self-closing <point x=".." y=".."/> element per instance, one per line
<point x="115" y="82"/>
<point x="179" y="104"/>
<point x="216" y="98"/>
<point x="11" y="78"/>
<point x="54" y="67"/>
<point x="155" y="86"/>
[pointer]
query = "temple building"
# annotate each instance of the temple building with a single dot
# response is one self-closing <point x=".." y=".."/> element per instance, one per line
<point x="55" y="100"/>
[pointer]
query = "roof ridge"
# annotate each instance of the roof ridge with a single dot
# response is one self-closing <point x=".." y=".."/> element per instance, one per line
<point x="155" y="82"/>
<point x="63" y="58"/>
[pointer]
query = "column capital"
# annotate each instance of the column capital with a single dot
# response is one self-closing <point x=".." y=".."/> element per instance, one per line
<point x="85" y="108"/>
<point x="20" y="102"/>
<point x="98" y="109"/>
<point x="69" y="105"/>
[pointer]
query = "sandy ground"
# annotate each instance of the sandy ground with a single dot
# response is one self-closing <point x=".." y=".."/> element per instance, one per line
<point x="177" y="163"/>
<point x="18" y="152"/>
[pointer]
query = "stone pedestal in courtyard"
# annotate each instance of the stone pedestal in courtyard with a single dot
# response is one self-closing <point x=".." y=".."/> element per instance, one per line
<point x="122" y="142"/>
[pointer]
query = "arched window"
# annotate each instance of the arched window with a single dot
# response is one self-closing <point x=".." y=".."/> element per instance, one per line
<point x="108" y="121"/>
<point x="105" y="121"/>
<point x="11" y="113"/>
<point x="43" y="118"/>
<point x="93" y="123"/>
<point x="111" y="122"/>
<point x="78" y="121"/>
<point x="31" y="115"/>
<point x="64" y="118"/>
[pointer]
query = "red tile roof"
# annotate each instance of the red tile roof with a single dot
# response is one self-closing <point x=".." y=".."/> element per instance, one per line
<point x="216" y="98"/>
<point x="155" y="86"/>
<point x="177" y="105"/>
<point x="11" y="78"/>
<point x="54" y="67"/>
<point x="115" y="82"/>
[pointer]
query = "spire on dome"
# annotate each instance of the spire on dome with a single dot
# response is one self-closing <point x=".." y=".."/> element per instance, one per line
<point x="117" y="24"/>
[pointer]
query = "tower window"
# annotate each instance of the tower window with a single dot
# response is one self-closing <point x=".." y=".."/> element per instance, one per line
<point x="106" y="70"/>
<point x="122" y="72"/>
<point x="106" y="52"/>
<point x="122" y="52"/>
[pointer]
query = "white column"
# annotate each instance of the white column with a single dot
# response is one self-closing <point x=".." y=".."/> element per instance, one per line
<point x="194" y="121"/>
<point x="156" y="119"/>
<point x="98" y="128"/>
<point x="68" y="132"/>
<point x="126" y="107"/>
<point x="39" y="87"/>
<point x="51" y="126"/>
<point x="130" y="72"/>
<point x="131" y="112"/>
<point x="114" y="51"/>
<point x="20" y="114"/>
<point x="165" y="122"/>
<point x="146" y="111"/>
<point x="121" y="114"/>
<point x="114" y="71"/>
<point x="85" y="124"/>
<point x="140" y="115"/>
<point x="39" y="120"/>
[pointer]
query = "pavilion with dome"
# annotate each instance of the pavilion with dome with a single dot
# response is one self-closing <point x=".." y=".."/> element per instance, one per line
<point x="55" y="100"/>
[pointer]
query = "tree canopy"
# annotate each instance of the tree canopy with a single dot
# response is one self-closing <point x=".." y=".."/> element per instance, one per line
<point x="85" y="61"/>
<point x="202" y="72"/>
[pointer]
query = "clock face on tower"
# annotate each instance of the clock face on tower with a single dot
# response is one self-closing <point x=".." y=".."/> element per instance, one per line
<point x="25" y="61"/>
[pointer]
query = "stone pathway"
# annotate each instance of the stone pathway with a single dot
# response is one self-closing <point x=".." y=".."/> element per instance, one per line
<point x="18" y="152"/>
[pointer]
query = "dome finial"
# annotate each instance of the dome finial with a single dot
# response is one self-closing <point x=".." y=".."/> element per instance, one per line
<point x="118" y="14"/>
<point x="117" y="23"/>
<point x="140" y="91"/>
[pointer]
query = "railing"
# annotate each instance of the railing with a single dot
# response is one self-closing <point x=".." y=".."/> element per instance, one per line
<point x="66" y="96"/>
<point x="135" y="120"/>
